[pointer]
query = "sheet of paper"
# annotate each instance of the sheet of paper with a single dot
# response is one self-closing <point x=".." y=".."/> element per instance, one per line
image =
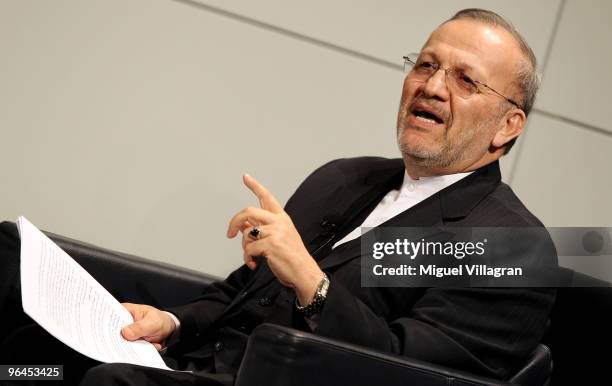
<point x="72" y="306"/>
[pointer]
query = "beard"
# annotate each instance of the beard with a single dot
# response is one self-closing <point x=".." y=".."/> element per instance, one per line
<point x="446" y="150"/>
<point x="442" y="154"/>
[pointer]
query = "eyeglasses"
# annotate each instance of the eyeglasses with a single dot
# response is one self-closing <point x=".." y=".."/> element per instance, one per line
<point x="457" y="81"/>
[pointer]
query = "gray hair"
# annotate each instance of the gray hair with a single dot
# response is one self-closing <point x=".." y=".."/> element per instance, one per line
<point x="527" y="79"/>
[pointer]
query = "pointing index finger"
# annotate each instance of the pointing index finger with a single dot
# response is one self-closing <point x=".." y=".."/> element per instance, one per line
<point x="266" y="199"/>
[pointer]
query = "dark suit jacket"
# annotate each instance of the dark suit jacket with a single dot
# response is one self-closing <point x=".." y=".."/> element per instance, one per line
<point x="482" y="330"/>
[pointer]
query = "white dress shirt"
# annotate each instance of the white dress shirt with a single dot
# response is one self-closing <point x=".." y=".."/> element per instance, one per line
<point x="398" y="200"/>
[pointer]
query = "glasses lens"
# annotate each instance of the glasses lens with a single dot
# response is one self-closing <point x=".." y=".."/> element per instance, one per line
<point x="458" y="83"/>
<point x="461" y="84"/>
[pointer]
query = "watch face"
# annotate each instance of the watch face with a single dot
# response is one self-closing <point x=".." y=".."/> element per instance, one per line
<point x="323" y="287"/>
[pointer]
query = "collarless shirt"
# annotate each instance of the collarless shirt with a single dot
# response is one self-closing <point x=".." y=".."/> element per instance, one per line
<point x="397" y="201"/>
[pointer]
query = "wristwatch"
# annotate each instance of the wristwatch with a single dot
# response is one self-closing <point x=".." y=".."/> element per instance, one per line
<point x="317" y="302"/>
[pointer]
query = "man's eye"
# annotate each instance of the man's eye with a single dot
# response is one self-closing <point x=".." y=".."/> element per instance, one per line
<point x="466" y="80"/>
<point x="426" y="65"/>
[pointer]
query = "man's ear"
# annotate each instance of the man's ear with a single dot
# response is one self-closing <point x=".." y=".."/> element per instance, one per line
<point x="512" y="127"/>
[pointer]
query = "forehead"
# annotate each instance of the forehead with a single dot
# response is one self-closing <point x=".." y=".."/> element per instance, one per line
<point x="490" y="50"/>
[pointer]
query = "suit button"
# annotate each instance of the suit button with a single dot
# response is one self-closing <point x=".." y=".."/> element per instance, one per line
<point x="244" y="294"/>
<point x="218" y="346"/>
<point x="242" y="328"/>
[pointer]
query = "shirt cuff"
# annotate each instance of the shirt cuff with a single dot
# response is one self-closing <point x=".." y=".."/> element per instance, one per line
<point x="177" y="322"/>
<point x="173" y="338"/>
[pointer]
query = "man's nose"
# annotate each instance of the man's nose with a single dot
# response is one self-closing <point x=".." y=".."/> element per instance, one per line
<point x="436" y="86"/>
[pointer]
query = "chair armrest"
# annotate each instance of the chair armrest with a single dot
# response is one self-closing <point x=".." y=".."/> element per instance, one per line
<point x="281" y="356"/>
<point x="128" y="277"/>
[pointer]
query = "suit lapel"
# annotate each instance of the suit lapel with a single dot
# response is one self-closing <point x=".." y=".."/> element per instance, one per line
<point x="427" y="213"/>
<point x="454" y="201"/>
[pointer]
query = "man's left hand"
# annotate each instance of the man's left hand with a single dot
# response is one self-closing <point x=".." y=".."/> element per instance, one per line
<point x="279" y="242"/>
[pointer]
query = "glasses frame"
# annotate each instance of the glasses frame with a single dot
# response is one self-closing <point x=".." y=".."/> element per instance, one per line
<point x="410" y="60"/>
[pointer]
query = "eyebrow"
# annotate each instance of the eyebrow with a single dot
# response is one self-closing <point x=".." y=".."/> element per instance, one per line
<point x="461" y="65"/>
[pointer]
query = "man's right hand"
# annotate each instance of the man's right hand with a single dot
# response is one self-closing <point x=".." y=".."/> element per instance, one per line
<point x="150" y="324"/>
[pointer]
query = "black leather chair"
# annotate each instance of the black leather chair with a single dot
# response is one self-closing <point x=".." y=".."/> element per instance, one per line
<point x="298" y="358"/>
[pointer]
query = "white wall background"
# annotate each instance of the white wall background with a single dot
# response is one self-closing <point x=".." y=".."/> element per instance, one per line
<point x="128" y="123"/>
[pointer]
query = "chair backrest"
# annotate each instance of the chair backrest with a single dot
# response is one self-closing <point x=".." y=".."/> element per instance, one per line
<point x="140" y="280"/>
<point x="127" y="277"/>
<point x="581" y="330"/>
<point x="580" y="327"/>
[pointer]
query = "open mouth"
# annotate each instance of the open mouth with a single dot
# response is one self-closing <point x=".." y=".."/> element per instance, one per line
<point x="427" y="116"/>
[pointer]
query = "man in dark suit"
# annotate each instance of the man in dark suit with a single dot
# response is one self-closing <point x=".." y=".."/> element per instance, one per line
<point x="464" y="103"/>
